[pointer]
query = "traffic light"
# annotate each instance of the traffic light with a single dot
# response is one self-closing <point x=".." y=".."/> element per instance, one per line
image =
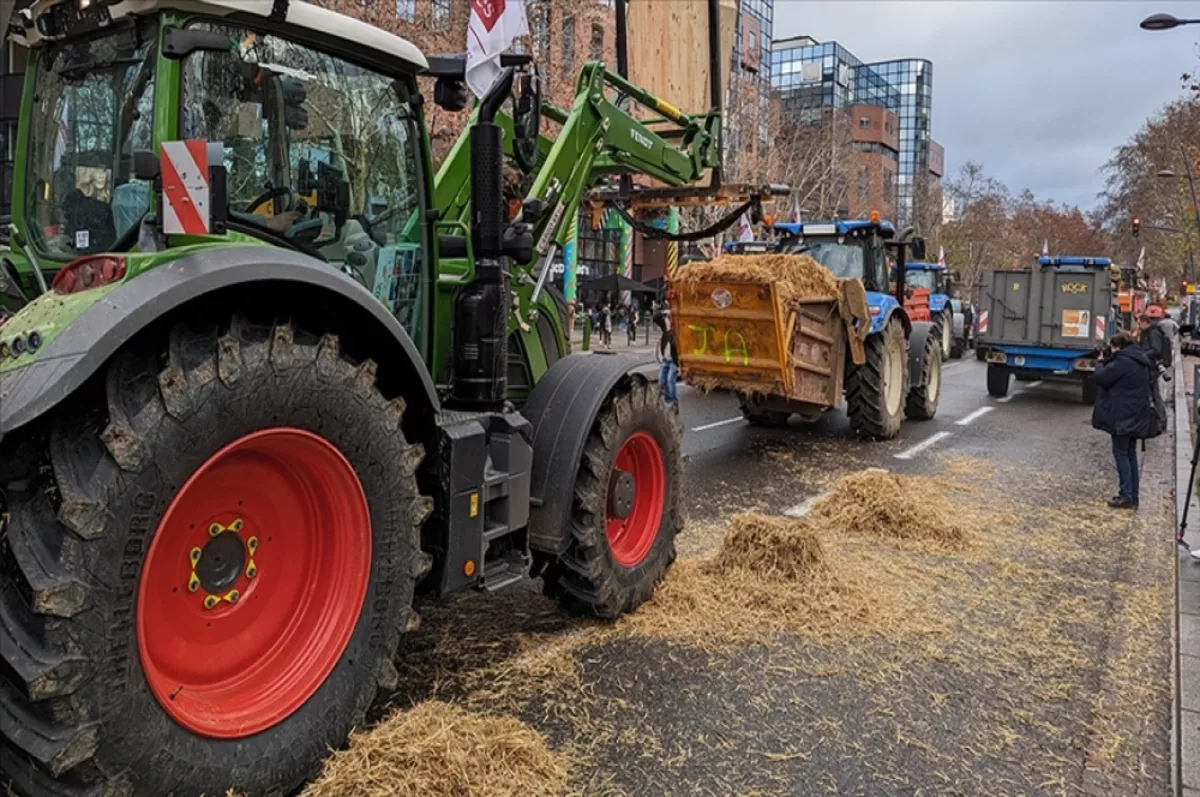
<point x="1137" y="226"/>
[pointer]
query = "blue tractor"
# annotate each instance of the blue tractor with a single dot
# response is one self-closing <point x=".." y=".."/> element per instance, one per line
<point x="901" y="375"/>
<point x="935" y="278"/>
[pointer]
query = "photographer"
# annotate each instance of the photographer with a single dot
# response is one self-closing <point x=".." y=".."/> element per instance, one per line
<point x="1125" y="409"/>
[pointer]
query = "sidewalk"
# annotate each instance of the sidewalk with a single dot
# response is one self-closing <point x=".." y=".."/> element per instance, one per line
<point x="1185" y="741"/>
<point x="620" y="341"/>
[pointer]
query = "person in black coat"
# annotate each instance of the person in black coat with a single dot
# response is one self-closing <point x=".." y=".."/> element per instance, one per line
<point x="1125" y="409"/>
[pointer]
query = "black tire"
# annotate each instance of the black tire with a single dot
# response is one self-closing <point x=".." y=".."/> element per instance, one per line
<point x="922" y="401"/>
<point x="997" y="380"/>
<point x="770" y="419"/>
<point x="945" y="330"/>
<point x="765" y="418"/>
<point x="866" y="387"/>
<point x="586" y="579"/>
<point x="1088" y="391"/>
<point x="980" y="353"/>
<point x="956" y="350"/>
<point x="76" y="713"/>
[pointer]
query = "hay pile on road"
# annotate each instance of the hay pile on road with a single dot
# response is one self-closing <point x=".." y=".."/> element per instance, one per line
<point x="795" y="276"/>
<point x="772" y="547"/>
<point x="891" y="507"/>
<point x="439" y="750"/>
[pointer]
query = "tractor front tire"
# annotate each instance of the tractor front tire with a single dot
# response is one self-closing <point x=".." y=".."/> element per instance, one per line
<point x="956" y="349"/>
<point x="209" y="564"/>
<point x="876" y="390"/>
<point x="922" y="400"/>
<point x="946" y="334"/>
<point x="997" y="380"/>
<point x="626" y="510"/>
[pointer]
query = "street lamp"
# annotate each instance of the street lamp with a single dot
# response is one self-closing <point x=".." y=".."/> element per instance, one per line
<point x="1165" y="22"/>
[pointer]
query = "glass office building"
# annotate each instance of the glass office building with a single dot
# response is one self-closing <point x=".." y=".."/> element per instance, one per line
<point x="811" y="76"/>
<point x="748" y="95"/>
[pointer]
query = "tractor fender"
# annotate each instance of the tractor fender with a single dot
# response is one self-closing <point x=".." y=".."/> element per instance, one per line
<point x="99" y="332"/>
<point x="921" y="330"/>
<point x="562" y="408"/>
<point x="883" y="306"/>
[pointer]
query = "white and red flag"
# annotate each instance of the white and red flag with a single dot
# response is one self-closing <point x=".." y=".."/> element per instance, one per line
<point x="493" y="26"/>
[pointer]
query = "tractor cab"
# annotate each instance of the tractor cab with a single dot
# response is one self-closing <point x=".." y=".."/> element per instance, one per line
<point x="321" y="153"/>
<point x="849" y="249"/>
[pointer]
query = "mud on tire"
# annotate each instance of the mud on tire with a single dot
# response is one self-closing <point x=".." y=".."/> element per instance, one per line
<point x="77" y="716"/>
<point x="867" y="388"/>
<point x="587" y="579"/>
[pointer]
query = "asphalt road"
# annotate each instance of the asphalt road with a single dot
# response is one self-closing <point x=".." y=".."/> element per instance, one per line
<point x="1040" y="665"/>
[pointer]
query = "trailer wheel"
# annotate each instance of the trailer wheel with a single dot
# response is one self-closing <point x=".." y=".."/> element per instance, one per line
<point x="922" y="402"/>
<point x="765" y="418"/>
<point x="946" y="333"/>
<point x="626" y="515"/>
<point x="876" y="390"/>
<point x="980" y="353"/>
<point x="771" y="419"/>
<point x="208" y="568"/>
<point x="1088" y="390"/>
<point x="997" y="380"/>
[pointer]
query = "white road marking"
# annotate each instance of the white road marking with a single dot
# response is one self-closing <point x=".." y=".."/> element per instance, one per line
<point x="974" y="416"/>
<point x="1033" y="384"/>
<point x="909" y="453"/>
<point x="954" y="364"/>
<point x="725" y="422"/>
<point x="802" y="509"/>
<point x="1008" y="398"/>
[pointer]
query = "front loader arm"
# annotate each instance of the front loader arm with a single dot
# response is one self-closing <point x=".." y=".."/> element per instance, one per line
<point x="598" y="139"/>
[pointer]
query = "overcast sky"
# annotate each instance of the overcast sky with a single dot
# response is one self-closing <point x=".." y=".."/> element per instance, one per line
<point x="1039" y="92"/>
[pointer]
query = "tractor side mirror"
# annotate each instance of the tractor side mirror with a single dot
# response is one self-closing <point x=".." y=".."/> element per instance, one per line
<point x="916" y="248"/>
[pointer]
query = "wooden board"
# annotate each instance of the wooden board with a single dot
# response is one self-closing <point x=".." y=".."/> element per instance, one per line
<point x="668" y="49"/>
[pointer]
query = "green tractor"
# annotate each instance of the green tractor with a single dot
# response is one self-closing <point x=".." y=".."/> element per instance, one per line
<point x="273" y="380"/>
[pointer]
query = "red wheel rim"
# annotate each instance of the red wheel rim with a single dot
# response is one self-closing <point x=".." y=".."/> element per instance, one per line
<point x="253" y="658"/>
<point x="631" y="537"/>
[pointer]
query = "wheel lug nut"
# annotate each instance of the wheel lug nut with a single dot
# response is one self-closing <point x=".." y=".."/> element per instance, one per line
<point x="214" y="529"/>
<point x="211" y="601"/>
<point x="193" y="583"/>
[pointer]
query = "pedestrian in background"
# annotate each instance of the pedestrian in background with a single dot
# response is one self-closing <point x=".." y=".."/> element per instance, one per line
<point x="1157" y="346"/>
<point x="606" y="325"/>
<point x="634" y="318"/>
<point x="1125" y="409"/>
<point x="668" y="358"/>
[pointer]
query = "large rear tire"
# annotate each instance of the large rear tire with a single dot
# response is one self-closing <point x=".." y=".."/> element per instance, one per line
<point x="997" y="380"/>
<point x="876" y="390"/>
<point x="210" y="561"/>
<point x="626" y="515"/>
<point x="922" y="400"/>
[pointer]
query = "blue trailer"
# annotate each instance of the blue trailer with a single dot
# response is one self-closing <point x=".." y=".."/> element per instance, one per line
<point x="1049" y="322"/>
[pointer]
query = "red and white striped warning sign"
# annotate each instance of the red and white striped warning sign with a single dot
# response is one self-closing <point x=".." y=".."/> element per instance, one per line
<point x="185" y="187"/>
<point x="983" y="321"/>
<point x="1101" y="324"/>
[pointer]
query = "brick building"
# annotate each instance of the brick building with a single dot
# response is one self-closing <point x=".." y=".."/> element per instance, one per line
<point x="874" y="160"/>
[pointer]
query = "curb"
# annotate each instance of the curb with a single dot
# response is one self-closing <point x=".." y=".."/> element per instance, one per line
<point x="1183" y="467"/>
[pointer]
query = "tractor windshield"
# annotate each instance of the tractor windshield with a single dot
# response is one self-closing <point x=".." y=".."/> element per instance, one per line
<point x="92" y="106"/>
<point x="319" y="151"/>
<point x="917" y="278"/>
